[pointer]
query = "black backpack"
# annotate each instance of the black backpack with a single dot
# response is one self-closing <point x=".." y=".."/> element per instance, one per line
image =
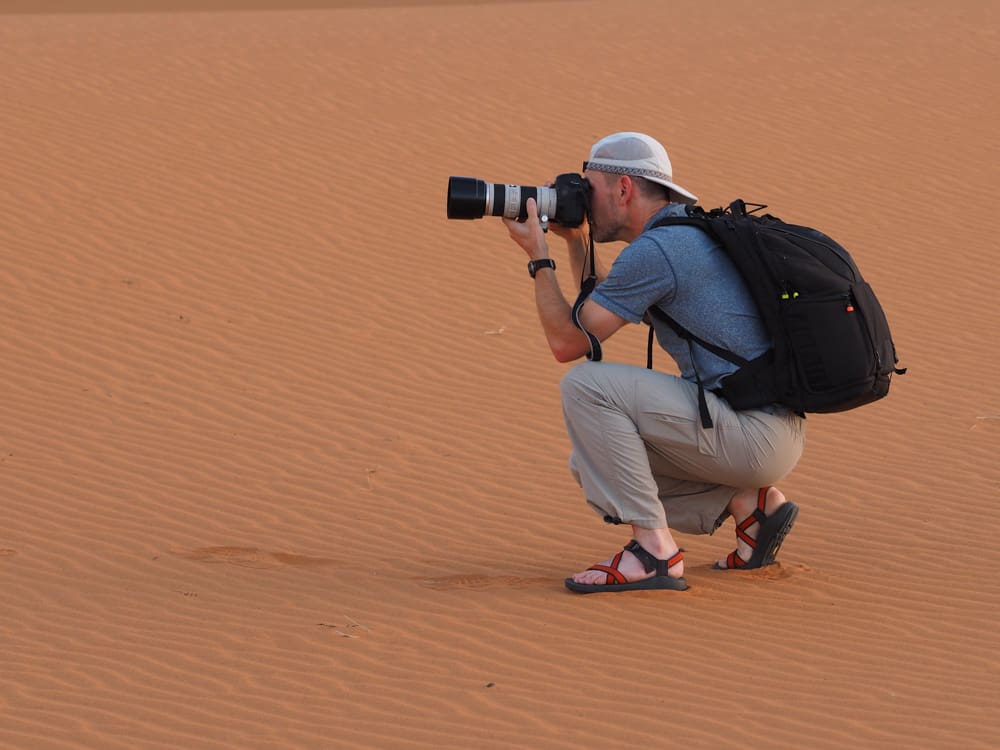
<point x="832" y="350"/>
<point x="832" y="347"/>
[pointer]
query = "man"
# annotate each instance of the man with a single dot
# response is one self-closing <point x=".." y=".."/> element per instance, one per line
<point x="640" y="450"/>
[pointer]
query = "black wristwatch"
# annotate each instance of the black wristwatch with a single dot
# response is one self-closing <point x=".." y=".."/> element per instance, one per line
<point x="534" y="265"/>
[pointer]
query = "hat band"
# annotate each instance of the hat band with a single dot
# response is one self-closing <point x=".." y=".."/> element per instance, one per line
<point x="635" y="171"/>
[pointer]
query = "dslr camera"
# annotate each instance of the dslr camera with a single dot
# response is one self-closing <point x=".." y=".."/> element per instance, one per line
<point x="567" y="202"/>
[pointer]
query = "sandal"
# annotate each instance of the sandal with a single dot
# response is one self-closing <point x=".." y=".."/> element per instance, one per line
<point x="773" y="530"/>
<point x="618" y="582"/>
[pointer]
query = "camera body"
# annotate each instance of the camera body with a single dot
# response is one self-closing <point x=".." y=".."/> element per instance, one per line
<point x="567" y="202"/>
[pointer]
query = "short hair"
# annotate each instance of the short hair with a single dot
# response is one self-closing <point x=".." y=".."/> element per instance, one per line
<point x="646" y="188"/>
<point x="650" y="189"/>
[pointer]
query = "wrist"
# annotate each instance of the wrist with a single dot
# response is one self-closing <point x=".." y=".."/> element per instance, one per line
<point x="537" y="264"/>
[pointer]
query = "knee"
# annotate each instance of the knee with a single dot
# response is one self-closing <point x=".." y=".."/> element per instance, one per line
<point x="574" y="470"/>
<point x="569" y="386"/>
<point x="578" y="383"/>
<point x="579" y="379"/>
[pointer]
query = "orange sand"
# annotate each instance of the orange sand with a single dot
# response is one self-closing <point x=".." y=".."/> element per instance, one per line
<point x="282" y="459"/>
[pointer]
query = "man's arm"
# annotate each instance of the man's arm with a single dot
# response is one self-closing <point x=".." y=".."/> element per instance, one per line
<point x="566" y="341"/>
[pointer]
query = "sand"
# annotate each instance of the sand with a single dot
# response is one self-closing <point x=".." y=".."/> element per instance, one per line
<point x="282" y="461"/>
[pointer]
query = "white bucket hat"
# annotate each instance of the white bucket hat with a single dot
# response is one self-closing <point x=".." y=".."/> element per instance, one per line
<point x="637" y="155"/>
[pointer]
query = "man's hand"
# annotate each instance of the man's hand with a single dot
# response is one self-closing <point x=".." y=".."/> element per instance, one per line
<point x="528" y="234"/>
<point x="570" y="234"/>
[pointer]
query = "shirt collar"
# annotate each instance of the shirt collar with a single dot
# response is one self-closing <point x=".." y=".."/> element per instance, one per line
<point x="671" y="209"/>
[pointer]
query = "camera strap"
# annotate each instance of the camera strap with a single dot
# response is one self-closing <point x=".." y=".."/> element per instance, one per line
<point x="586" y="287"/>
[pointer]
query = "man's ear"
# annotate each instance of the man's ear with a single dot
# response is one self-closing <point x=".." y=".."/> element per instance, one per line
<point x="626" y="187"/>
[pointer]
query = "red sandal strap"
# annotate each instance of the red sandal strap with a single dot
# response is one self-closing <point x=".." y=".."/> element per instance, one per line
<point x="649" y="562"/>
<point x="762" y="497"/>
<point x="741" y="531"/>
<point x="614" y="575"/>
<point x="734" y="561"/>
<point x="758" y="516"/>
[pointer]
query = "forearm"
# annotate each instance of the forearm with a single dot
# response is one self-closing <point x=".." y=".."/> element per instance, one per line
<point x="566" y="341"/>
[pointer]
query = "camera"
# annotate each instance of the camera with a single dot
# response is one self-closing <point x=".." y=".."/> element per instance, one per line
<point x="566" y="203"/>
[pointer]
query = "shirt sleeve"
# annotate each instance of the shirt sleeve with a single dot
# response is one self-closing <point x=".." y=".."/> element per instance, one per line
<point x="640" y="277"/>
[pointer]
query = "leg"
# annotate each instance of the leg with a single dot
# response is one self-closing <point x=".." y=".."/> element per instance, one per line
<point x="609" y="453"/>
<point x="638" y="443"/>
<point x="611" y="463"/>
<point x="642" y="457"/>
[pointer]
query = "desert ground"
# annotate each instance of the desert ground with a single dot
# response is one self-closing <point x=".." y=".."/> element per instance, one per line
<point x="282" y="457"/>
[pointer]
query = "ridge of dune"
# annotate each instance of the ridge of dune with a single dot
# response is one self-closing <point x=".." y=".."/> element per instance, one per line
<point x="42" y="7"/>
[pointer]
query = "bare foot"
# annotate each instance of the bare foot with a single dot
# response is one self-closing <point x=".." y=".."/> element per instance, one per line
<point x="741" y="507"/>
<point x="658" y="542"/>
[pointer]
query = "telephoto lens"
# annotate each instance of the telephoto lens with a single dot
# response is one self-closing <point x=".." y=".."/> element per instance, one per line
<point x="469" y="198"/>
<point x="466" y="198"/>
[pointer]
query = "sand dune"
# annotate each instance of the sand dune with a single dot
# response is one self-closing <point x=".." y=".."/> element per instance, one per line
<point x="282" y="459"/>
<point x="36" y="7"/>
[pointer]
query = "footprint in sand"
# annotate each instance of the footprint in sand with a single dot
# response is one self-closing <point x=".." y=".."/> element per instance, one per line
<point x="989" y="423"/>
<point x="775" y="572"/>
<point x="251" y="557"/>
<point x="481" y="582"/>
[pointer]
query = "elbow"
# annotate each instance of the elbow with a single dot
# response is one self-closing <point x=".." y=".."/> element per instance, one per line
<point x="566" y="353"/>
<point x="568" y="344"/>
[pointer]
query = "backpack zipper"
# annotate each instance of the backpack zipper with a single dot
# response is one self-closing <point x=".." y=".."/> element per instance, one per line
<point x="840" y="254"/>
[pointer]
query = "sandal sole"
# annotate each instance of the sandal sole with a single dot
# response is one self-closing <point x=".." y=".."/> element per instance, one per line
<point x="781" y="523"/>
<point x="656" y="583"/>
<point x="774" y="530"/>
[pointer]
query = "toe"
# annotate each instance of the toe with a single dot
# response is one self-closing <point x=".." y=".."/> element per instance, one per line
<point x="590" y="576"/>
<point x="629" y="566"/>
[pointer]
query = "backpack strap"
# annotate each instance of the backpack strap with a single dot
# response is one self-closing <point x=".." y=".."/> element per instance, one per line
<point x="696" y="218"/>
<point x="682" y="332"/>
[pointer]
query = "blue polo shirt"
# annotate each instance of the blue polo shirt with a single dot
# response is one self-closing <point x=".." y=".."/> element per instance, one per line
<point x="685" y="273"/>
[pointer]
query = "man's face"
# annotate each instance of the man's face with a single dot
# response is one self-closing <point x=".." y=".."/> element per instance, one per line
<point x="606" y="214"/>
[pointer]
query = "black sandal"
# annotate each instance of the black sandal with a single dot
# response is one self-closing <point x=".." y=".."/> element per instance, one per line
<point x="773" y="530"/>
<point x="618" y="582"/>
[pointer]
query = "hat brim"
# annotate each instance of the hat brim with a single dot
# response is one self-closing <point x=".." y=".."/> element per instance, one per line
<point x="683" y="195"/>
<point x="606" y="165"/>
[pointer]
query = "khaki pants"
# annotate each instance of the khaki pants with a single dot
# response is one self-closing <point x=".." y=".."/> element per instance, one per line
<point x="642" y="456"/>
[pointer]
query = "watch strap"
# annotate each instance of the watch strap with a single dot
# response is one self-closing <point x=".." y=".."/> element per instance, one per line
<point x="535" y="265"/>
